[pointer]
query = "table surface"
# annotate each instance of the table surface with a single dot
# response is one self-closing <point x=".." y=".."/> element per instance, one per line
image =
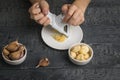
<point x="101" y="30"/>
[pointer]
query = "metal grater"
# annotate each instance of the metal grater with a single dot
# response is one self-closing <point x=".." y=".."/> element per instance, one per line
<point x="57" y="24"/>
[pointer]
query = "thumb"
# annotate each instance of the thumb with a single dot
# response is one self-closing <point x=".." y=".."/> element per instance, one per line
<point x="44" y="7"/>
<point x="65" y="8"/>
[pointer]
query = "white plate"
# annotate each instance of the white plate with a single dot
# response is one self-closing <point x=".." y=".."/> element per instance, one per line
<point x="76" y="35"/>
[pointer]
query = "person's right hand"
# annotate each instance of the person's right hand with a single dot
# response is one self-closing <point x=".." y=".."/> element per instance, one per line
<point x="38" y="12"/>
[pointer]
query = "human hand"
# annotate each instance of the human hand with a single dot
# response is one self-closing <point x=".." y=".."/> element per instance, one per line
<point x="73" y="14"/>
<point x="38" y="12"/>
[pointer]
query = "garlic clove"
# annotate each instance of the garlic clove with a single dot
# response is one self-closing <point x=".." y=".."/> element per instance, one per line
<point x="80" y="57"/>
<point x="22" y="47"/>
<point x="73" y="54"/>
<point x="22" y="54"/>
<point x="13" y="46"/>
<point x="86" y="56"/>
<point x="43" y="63"/>
<point x="85" y="49"/>
<point x="6" y="52"/>
<point x="76" y="48"/>
<point x="15" y="55"/>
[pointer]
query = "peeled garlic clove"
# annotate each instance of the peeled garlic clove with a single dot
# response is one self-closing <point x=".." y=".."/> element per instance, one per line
<point x="85" y="48"/>
<point x="43" y="62"/>
<point x="15" y="55"/>
<point x="13" y="46"/>
<point x="73" y="54"/>
<point x="86" y="56"/>
<point x="80" y="57"/>
<point x="77" y="53"/>
<point x="6" y="52"/>
<point x="76" y="48"/>
<point x="82" y="52"/>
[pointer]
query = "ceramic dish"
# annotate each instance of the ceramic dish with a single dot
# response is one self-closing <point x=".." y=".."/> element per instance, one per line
<point x="76" y="35"/>
<point x="78" y="62"/>
<point x="15" y="62"/>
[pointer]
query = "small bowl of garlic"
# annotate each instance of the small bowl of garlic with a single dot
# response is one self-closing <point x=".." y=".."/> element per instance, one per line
<point x="14" y="53"/>
<point x="80" y="53"/>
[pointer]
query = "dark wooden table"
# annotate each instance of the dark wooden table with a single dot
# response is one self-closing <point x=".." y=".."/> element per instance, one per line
<point x="101" y="30"/>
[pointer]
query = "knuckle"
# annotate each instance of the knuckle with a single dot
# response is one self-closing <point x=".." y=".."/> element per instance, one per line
<point x="35" y="11"/>
<point x="83" y="19"/>
<point x="82" y="15"/>
<point x="73" y="6"/>
<point x="30" y="10"/>
<point x="69" y="14"/>
<point x="63" y="7"/>
<point x="41" y="22"/>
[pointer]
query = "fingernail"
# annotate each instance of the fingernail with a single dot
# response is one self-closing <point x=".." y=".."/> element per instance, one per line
<point x="37" y="6"/>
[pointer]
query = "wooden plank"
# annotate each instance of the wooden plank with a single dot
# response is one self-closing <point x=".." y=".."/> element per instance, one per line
<point x="61" y="74"/>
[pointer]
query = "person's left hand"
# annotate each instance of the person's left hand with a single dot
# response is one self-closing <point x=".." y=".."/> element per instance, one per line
<point x="73" y="15"/>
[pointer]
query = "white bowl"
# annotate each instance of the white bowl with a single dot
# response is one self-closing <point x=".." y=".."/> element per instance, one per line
<point x="78" y="62"/>
<point x="15" y="62"/>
